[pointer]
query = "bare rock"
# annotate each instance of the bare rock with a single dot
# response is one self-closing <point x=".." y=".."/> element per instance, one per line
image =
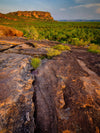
<point x="5" y="17"/>
<point x="8" y="31"/>
<point x="36" y="14"/>
<point x="67" y="97"/>
<point x="16" y="93"/>
<point x="26" y="49"/>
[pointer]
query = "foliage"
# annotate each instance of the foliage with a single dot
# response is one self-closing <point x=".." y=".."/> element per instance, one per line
<point x="77" y="42"/>
<point x="52" y="52"/>
<point x="61" y="47"/>
<point x="35" y="62"/>
<point x="31" y="33"/>
<point x="94" y="48"/>
<point x="76" y="33"/>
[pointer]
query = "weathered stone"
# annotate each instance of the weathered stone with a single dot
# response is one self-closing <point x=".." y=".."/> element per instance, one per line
<point x="67" y="96"/>
<point x="27" y="50"/>
<point x="5" y="17"/>
<point x="16" y="93"/>
<point x="65" y="92"/>
<point x="8" y="31"/>
<point x="36" y="14"/>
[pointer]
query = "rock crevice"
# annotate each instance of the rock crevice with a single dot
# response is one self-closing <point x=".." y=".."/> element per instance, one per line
<point x="61" y="96"/>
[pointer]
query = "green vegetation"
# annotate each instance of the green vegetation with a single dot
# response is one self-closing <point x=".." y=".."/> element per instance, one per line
<point x="94" y="48"/>
<point x="35" y="62"/>
<point x="31" y="33"/>
<point x="56" y="50"/>
<point x="52" y="52"/>
<point x="61" y="47"/>
<point x="75" y="33"/>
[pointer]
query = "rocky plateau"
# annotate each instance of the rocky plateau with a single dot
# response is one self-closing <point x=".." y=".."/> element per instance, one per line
<point x="33" y="14"/>
<point x="61" y="96"/>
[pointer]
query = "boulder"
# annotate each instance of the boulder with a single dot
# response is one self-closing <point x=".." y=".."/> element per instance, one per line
<point x="16" y="94"/>
<point x="8" y="31"/>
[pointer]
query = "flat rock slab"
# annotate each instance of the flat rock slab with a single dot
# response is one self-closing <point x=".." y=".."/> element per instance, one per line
<point x="16" y="93"/>
<point x="27" y="49"/>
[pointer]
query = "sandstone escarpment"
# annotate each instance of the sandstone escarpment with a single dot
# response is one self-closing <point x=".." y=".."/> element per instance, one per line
<point x="5" y="17"/>
<point x="2" y="16"/>
<point x="36" y="14"/>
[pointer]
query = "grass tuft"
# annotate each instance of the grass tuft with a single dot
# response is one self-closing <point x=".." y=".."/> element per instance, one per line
<point x="94" y="48"/>
<point x="52" y="52"/>
<point x="35" y="62"/>
<point x="61" y="47"/>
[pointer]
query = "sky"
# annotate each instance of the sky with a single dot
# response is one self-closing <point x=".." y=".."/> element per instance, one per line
<point x="59" y="9"/>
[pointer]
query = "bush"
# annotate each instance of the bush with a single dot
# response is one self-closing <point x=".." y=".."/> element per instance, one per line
<point x="61" y="47"/>
<point x="31" y="33"/>
<point x="94" y="48"/>
<point x="77" y="42"/>
<point x="35" y="62"/>
<point x="52" y="52"/>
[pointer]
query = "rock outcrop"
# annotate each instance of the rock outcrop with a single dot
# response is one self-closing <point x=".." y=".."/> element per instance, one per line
<point x="36" y="14"/>
<point x="8" y="31"/>
<point x="5" y="17"/>
<point x="67" y="97"/>
<point x="16" y="94"/>
<point x="61" y="96"/>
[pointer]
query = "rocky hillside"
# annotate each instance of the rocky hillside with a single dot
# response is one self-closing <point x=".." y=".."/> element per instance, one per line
<point x="6" y="17"/>
<point x="61" y="96"/>
<point x="32" y="14"/>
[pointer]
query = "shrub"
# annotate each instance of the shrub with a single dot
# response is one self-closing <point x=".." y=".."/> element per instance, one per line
<point x="77" y="42"/>
<point x="52" y="52"/>
<point x="94" y="48"/>
<point x="31" y="33"/>
<point x="35" y="62"/>
<point x="61" y="47"/>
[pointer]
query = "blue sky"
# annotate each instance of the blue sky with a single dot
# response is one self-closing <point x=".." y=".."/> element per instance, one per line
<point x="59" y="9"/>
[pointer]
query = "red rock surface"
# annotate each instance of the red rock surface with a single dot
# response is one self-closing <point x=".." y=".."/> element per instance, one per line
<point x="61" y="96"/>
<point x="67" y="96"/>
<point x="8" y="31"/>
<point x="36" y="14"/>
<point x="5" y="17"/>
<point x="16" y="92"/>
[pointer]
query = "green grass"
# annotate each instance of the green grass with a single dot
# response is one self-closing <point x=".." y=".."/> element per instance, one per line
<point x="31" y="33"/>
<point x="94" y="48"/>
<point x="61" y="47"/>
<point x="52" y="52"/>
<point x="35" y="62"/>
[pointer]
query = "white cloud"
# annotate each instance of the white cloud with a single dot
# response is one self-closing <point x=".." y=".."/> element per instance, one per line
<point x="87" y="5"/>
<point x="98" y="10"/>
<point x="62" y="9"/>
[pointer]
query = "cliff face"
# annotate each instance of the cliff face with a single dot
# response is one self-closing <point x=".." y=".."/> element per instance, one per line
<point x="36" y="14"/>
